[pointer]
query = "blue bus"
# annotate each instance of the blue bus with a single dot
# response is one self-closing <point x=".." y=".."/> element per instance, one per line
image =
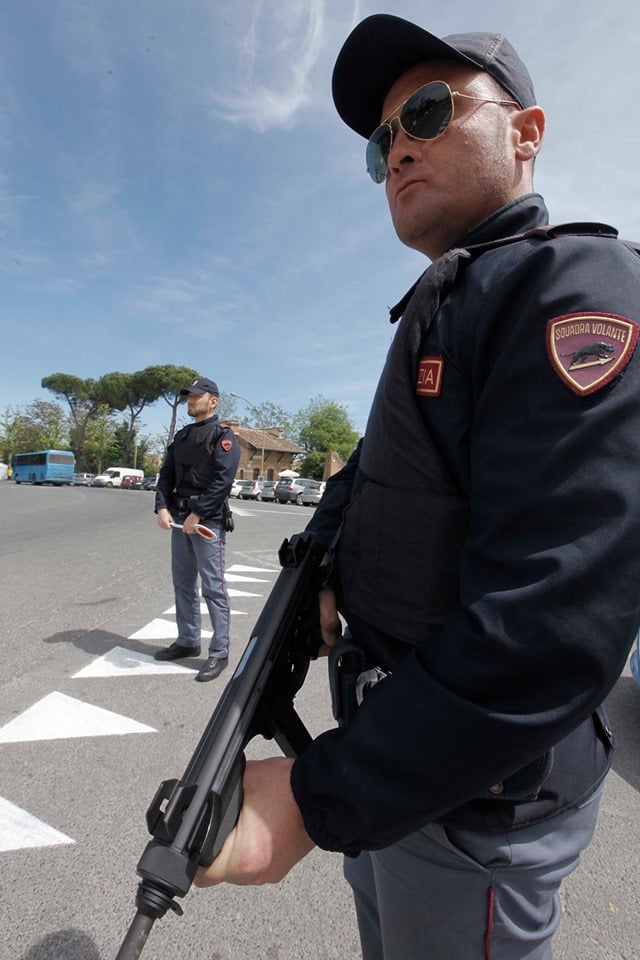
<point x="44" y="466"/>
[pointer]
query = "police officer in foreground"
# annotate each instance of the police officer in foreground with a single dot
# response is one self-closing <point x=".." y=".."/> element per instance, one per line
<point x="487" y="558"/>
<point x="193" y="485"/>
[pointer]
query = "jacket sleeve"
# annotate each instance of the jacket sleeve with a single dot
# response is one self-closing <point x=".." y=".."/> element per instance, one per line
<point x="226" y="458"/>
<point x="327" y="516"/>
<point x="549" y="598"/>
<point x="166" y="480"/>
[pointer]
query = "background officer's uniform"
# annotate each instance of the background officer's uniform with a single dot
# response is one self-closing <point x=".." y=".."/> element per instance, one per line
<point x="196" y="477"/>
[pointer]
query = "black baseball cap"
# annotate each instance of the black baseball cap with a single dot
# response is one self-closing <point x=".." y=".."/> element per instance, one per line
<point x="383" y="47"/>
<point x="202" y="385"/>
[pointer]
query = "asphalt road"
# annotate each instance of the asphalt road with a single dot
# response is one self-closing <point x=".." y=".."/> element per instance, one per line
<point x="85" y="571"/>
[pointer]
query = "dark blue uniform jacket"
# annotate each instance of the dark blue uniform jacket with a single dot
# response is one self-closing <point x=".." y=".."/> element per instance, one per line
<point x="199" y="466"/>
<point x="549" y="574"/>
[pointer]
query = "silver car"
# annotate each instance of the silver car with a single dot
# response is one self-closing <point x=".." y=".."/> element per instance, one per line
<point x="250" y="489"/>
<point x="269" y="491"/>
<point x="313" y="492"/>
<point x="82" y="479"/>
<point x="290" y="491"/>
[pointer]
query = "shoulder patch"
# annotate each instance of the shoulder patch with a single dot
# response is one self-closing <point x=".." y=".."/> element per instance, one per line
<point x="588" y="350"/>
<point x="226" y="445"/>
<point x="429" y="380"/>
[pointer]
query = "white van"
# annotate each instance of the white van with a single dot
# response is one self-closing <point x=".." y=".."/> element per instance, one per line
<point x="114" y="475"/>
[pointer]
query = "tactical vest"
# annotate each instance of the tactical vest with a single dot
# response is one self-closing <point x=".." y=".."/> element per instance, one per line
<point x="404" y="502"/>
<point x="194" y="456"/>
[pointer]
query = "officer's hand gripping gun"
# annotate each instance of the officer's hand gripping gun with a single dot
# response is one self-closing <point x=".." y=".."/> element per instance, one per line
<point x="189" y="819"/>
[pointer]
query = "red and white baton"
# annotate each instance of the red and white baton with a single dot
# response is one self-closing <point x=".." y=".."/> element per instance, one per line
<point x="200" y="529"/>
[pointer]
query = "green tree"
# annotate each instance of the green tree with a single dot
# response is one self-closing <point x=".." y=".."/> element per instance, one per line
<point x="18" y="434"/>
<point x="40" y="426"/>
<point x="120" y="447"/>
<point x="312" y="466"/>
<point x="83" y="398"/>
<point x="144" y="449"/>
<point x="50" y="422"/>
<point x="132" y="392"/>
<point x="324" y="425"/>
<point x="99" y="446"/>
<point x="321" y="426"/>
<point x="257" y="416"/>
<point x="8" y="434"/>
<point x="227" y="409"/>
<point x="275" y="416"/>
<point x="168" y="381"/>
<point x="127" y="449"/>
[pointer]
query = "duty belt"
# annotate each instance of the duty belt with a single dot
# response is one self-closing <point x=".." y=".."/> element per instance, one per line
<point x="182" y="503"/>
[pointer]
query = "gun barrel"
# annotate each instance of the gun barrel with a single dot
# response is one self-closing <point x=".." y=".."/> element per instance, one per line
<point x="136" y="937"/>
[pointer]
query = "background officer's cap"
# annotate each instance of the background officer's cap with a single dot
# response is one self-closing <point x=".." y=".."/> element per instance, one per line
<point x="202" y="385"/>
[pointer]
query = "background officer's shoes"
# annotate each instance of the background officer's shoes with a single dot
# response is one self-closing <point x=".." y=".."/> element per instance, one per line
<point x="176" y="651"/>
<point x="212" y="669"/>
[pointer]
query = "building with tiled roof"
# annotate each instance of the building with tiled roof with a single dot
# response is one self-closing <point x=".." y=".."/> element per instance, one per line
<point x="264" y="453"/>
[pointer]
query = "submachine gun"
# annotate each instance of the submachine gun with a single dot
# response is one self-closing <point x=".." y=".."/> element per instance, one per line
<point x="189" y="819"/>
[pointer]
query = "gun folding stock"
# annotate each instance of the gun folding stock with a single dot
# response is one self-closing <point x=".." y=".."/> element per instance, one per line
<point x="190" y="818"/>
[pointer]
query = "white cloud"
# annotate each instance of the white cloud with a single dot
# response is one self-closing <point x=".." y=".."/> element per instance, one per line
<point x="275" y="60"/>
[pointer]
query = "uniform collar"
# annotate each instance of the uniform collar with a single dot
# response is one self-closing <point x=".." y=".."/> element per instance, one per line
<point x="520" y="215"/>
<point x="516" y="217"/>
<point x="204" y="423"/>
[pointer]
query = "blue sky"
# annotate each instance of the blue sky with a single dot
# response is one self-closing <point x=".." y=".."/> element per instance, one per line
<point x="176" y="187"/>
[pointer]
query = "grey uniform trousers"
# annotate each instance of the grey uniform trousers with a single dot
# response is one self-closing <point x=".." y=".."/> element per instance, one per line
<point x="453" y="894"/>
<point x="193" y="556"/>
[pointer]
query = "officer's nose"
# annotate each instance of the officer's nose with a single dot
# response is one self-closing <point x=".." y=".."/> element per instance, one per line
<point x="404" y="149"/>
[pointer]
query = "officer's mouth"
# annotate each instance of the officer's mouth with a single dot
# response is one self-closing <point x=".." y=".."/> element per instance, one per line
<point x="405" y="186"/>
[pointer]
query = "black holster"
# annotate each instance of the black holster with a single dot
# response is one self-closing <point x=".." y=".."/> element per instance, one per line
<point x="347" y="660"/>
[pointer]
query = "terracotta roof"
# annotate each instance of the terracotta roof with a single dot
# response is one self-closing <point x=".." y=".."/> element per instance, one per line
<point x="255" y="438"/>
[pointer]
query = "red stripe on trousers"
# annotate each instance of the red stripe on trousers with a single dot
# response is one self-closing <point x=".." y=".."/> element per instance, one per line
<point x="487" y="939"/>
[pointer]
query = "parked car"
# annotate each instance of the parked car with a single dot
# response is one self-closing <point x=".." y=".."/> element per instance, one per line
<point x="251" y="489"/>
<point x="150" y="483"/>
<point x="82" y="479"/>
<point x="114" y="475"/>
<point x="290" y="491"/>
<point x="127" y="482"/>
<point x="312" y="493"/>
<point x="269" y="491"/>
<point x="235" y="488"/>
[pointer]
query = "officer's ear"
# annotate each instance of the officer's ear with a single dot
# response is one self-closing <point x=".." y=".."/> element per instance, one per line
<point x="528" y="130"/>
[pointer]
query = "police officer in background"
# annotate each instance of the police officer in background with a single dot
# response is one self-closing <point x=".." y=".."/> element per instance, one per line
<point x="485" y="531"/>
<point x="193" y="485"/>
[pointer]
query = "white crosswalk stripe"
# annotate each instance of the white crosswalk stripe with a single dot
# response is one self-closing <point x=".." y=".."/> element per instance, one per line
<point x="58" y="716"/>
<point x="120" y="662"/>
<point x="160" y="629"/>
<point x="19" y="830"/>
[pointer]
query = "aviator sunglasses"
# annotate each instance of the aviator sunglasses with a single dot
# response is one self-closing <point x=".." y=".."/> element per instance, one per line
<point x="425" y="115"/>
